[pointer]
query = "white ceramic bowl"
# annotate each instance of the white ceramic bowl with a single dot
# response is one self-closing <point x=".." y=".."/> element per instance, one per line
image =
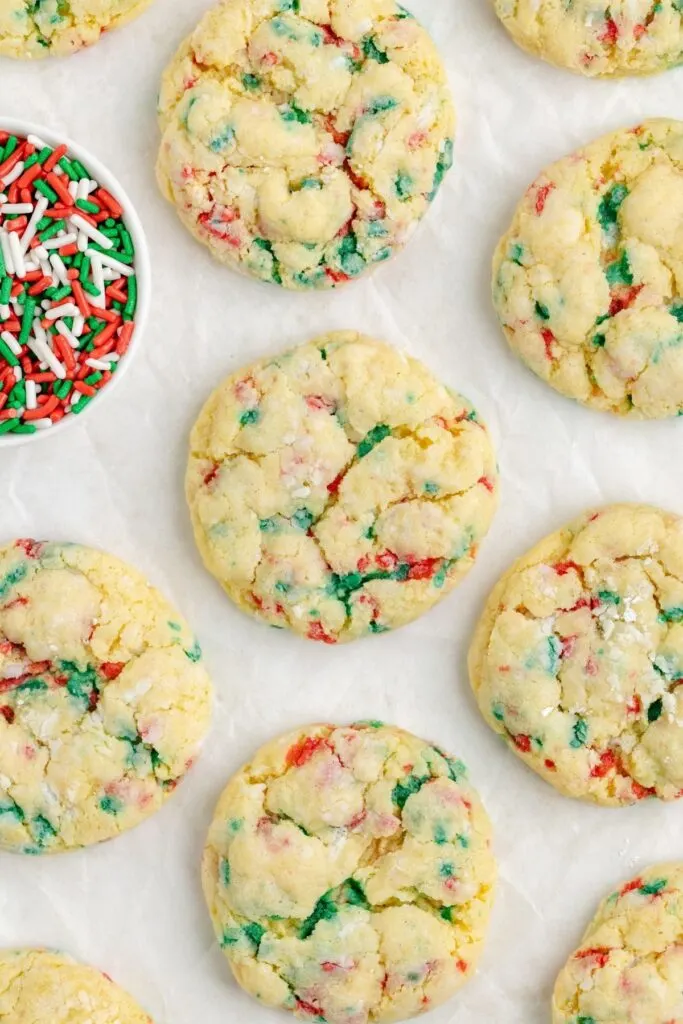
<point x="142" y="269"/>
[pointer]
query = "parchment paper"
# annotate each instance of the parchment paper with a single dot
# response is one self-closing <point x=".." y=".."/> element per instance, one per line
<point x="134" y="906"/>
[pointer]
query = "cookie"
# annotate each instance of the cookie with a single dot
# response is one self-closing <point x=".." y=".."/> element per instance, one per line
<point x="30" y="29"/>
<point x="103" y="697"/>
<point x="578" y="657"/>
<point x="388" y="918"/>
<point x="629" y="966"/>
<point x="38" y="986"/>
<point x="338" y="489"/>
<point x="608" y="38"/>
<point x="588" y="281"/>
<point x="303" y="140"/>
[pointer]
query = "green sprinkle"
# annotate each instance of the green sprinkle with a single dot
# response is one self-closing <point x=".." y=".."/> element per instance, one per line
<point x="269" y="525"/>
<point x="290" y="112"/>
<point x="446" y="870"/>
<point x="440" y="836"/>
<point x="61" y="293"/>
<point x="609" y="206"/>
<point x="372" y="439"/>
<point x="5" y="290"/>
<point x="45" y="152"/>
<point x="380" y="105"/>
<point x="254" y="932"/>
<point x="303" y="519"/>
<point x="129" y="308"/>
<point x="81" y="404"/>
<point x="653" y="888"/>
<point x="42" y="830"/>
<point x="447" y="914"/>
<point x="49" y="193"/>
<point x="7" y="354"/>
<point x="54" y="228"/>
<point x="403" y="186"/>
<point x="671" y="614"/>
<point x="251" y="81"/>
<point x="85" y="204"/>
<point x="655" y="710"/>
<point x="620" y="271"/>
<point x="85" y="270"/>
<point x="249" y="417"/>
<point x="111" y="805"/>
<point x="27" y="320"/>
<point x="324" y="910"/>
<point x="195" y="652"/>
<point x="431" y="488"/>
<point x="354" y="894"/>
<point x="579" y="734"/>
<point x="542" y="311"/>
<point x="410" y="785"/>
<point x="608" y="597"/>
<point x="225" y="871"/>
<point x="372" y="51"/>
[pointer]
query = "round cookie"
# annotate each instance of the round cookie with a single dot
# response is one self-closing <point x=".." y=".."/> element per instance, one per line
<point x="103" y="698"/>
<point x="30" y="29"/>
<point x="339" y="489"/>
<point x="607" y="38"/>
<point x="578" y="657"/>
<point x="588" y="281"/>
<point x="38" y="986"/>
<point x="629" y="966"/>
<point x="303" y="140"/>
<point x="389" y="916"/>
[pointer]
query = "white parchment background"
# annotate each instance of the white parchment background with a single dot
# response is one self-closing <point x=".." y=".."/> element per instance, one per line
<point x="134" y="906"/>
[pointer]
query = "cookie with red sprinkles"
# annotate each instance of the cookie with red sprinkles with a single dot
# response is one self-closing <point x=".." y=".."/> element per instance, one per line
<point x="104" y="700"/>
<point x="302" y="142"/>
<point x="339" y="489"/>
<point x="68" y="285"/>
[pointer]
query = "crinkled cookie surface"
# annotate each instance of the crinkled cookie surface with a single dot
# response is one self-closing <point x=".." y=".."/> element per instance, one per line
<point x="578" y="658"/>
<point x="349" y="874"/>
<point x="104" y="701"/>
<point x="629" y="967"/>
<point x="598" y="37"/>
<point x="588" y="280"/>
<point x="304" y="139"/>
<point x="338" y="489"/>
<point x="30" y="29"/>
<point x="38" y="986"/>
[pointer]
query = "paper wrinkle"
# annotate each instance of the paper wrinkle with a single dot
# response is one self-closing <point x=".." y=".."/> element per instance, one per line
<point x="134" y="906"/>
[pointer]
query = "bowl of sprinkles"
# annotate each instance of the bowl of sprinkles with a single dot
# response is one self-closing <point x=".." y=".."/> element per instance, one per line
<point x="74" y="281"/>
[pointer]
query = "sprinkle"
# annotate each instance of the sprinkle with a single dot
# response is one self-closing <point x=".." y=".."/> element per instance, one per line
<point x="90" y="231"/>
<point x="67" y="309"/>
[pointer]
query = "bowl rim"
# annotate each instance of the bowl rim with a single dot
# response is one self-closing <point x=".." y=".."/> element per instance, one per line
<point x="143" y="271"/>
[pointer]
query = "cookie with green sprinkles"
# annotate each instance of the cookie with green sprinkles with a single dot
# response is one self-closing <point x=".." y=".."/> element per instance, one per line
<point x="629" y="966"/>
<point x="388" y="917"/>
<point x="303" y="141"/>
<point x="587" y="280"/>
<point x="68" y="285"/>
<point x="104" y="701"/>
<point x="577" y="660"/>
<point x="339" y="489"/>
<point x="31" y="29"/>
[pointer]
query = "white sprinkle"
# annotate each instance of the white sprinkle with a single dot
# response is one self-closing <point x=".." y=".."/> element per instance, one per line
<point x="87" y="229"/>
<point x="12" y="175"/>
<point x="36" y="141"/>
<point x="79" y="324"/>
<point x="47" y="271"/>
<point x="16" y="208"/>
<point x="66" y="309"/>
<point x="109" y="261"/>
<point x="17" y="256"/>
<point x="11" y="342"/>
<point x="4" y="312"/>
<point x="82" y="242"/>
<point x="98" y="281"/>
<point x="41" y="252"/>
<point x="73" y="189"/>
<point x="44" y="352"/>
<point x="31" y="397"/>
<point x="59" y="268"/>
<point x="75" y="397"/>
<point x="97" y="364"/>
<point x="39" y="330"/>
<point x="18" y="373"/>
<point x="3" y="197"/>
<point x="41" y="206"/>
<point x="43" y="424"/>
<point x="30" y="265"/>
<point x="59" y="240"/>
<point x="66" y="333"/>
<point x="58" y="169"/>
<point x="6" y="252"/>
<point x="82" y="190"/>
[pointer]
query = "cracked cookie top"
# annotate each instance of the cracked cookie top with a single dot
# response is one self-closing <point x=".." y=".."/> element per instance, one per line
<point x="304" y="139"/>
<point x="609" y="38"/>
<point x="629" y="966"/>
<point x="339" y="489"/>
<point x="388" y="917"/>
<point x="578" y="658"/>
<point x="103" y="698"/>
<point x="588" y="281"/>
<point x="39" y="986"/>
<point x="42" y="28"/>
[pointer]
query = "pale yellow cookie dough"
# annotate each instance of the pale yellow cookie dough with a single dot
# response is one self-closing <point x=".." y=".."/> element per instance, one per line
<point x="38" y="986"/>
<point x="349" y="874"/>
<point x="30" y="29"/>
<point x="303" y="140"/>
<point x="629" y="966"/>
<point x="338" y="489"/>
<point x="598" y="37"/>
<point x="104" y="701"/>
<point x="588" y="280"/>
<point x="578" y="658"/>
